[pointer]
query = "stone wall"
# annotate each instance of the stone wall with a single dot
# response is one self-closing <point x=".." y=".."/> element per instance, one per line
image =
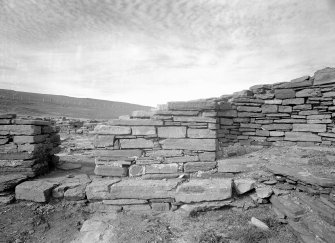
<point x="300" y="112"/>
<point x="181" y="139"/>
<point x="26" y="146"/>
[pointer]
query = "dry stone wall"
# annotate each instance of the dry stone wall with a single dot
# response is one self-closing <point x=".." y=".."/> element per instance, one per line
<point x="180" y="139"/>
<point x="300" y="112"/>
<point x="26" y="146"/>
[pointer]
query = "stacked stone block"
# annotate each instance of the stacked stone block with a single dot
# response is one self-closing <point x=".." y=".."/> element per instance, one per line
<point x="297" y="112"/>
<point x="26" y="146"/>
<point x="181" y="139"/>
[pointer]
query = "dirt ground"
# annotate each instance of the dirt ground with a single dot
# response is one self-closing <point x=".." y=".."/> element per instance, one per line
<point x="34" y="222"/>
<point x="61" y="222"/>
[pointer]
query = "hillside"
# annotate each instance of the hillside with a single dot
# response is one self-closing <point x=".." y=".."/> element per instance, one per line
<point x="33" y="104"/>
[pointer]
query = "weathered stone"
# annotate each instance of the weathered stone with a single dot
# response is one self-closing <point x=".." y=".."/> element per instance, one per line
<point x="118" y="154"/>
<point x="107" y="170"/>
<point x="207" y="156"/>
<point x="37" y="191"/>
<point x="308" y="93"/>
<point x="302" y="136"/>
<point x="99" y="188"/>
<point x="137" y="208"/>
<point x="324" y="76"/>
<point x="296" y="83"/>
<point x="330" y="135"/>
<point x="193" y="105"/>
<point x="31" y="122"/>
<point x="16" y="156"/>
<point x="329" y="94"/>
<point x="262" y="133"/>
<point x="112" y="130"/>
<point x="143" y="189"/>
<point x="68" y="166"/>
<point x="9" y="181"/>
<point x="273" y="102"/>
<point x="7" y="116"/>
<point x="190" y="144"/>
<point x="228" y="113"/>
<point x="250" y="114"/>
<point x="322" y="121"/>
<point x="302" y="175"/>
<point x="200" y="133"/>
<point x="259" y="224"/>
<point x="275" y="127"/>
<point x="136" y="143"/>
<point x="244" y="185"/>
<point x="264" y="192"/>
<point x="142" y="114"/>
<point x="276" y="134"/>
<point x="315" y="117"/>
<point x="199" y="166"/>
<point x="226" y="121"/>
<point x="309" y="128"/>
<point x="249" y="108"/>
<point x="182" y="159"/>
<point x="177" y="113"/>
<point x="269" y="108"/>
<point x="162" y="176"/>
<point x="196" y="119"/>
<point x="307" y="113"/>
<point x="143" y="130"/>
<point x="6" y="199"/>
<point x="203" y="190"/>
<point x="172" y="132"/>
<point x="286" y="206"/>
<point x="164" y="153"/>
<point x="124" y="202"/>
<point x="29" y="139"/>
<point x="136" y="170"/>
<point x="135" y="122"/>
<point x="101" y="141"/>
<point x="160" y="207"/>
<point x="290" y="121"/>
<point x="20" y="129"/>
<point x="302" y="107"/>
<point x="284" y="93"/>
<point x="75" y="194"/>
<point x="161" y="168"/>
<point x="284" y="109"/>
<point x="296" y="101"/>
<point x="236" y="165"/>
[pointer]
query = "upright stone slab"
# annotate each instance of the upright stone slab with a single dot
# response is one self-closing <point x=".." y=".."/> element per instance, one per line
<point x="204" y="190"/>
<point x="324" y="76"/>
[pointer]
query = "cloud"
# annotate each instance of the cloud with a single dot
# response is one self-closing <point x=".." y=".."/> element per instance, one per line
<point x="153" y="51"/>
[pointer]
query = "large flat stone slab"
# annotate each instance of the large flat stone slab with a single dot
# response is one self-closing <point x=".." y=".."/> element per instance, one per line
<point x="171" y="132"/>
<point x="190" y="144"/>
<point x="204" y="190"/>
<point x="37" y="191"/>
<point x="21" y="129"/>
<point x="135" y="122"/>
<point x="136" y="143"/>
<point x="112" y="130"/>
<point x="118" y="154"/>
<point x="143" y="189"/>
<point x="193" y="105"/>
<point x="302" y="174"/>
<point x="99" y="188"/>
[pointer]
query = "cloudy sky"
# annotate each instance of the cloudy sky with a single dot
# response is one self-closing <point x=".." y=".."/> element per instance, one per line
<point x="153" y="51"/>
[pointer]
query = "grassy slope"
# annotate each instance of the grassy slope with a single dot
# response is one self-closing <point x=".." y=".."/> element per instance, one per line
<point x="33" y="104"/>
